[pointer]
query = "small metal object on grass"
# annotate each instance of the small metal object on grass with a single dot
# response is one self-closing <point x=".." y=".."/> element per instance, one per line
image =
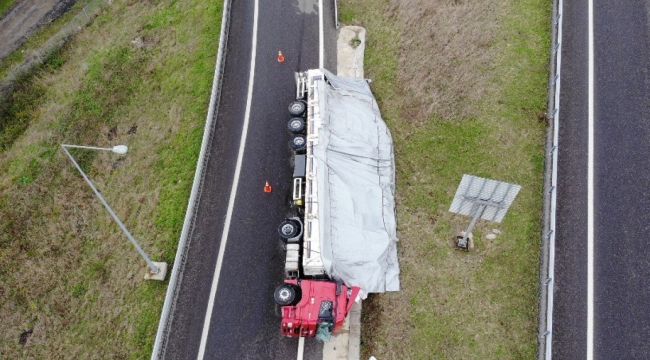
<point x="481" y="198"/>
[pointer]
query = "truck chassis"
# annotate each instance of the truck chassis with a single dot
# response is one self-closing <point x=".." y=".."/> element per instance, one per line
<point x="311" y="302"/>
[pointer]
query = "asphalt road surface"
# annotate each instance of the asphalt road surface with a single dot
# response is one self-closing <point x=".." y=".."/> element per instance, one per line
<point x="621" y="183"/>
<point x="244" y="323"/>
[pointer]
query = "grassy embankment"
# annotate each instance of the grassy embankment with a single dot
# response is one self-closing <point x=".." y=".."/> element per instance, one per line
<point x="70" y="284"/>
<point x="463" y="87"/>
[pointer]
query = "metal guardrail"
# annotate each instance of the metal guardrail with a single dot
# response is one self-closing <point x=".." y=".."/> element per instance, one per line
<point x="547" y="274"/>
<point x="195" y="195"/>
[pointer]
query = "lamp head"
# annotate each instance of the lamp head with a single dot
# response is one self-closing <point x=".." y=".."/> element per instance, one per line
<point x="120" y="149"/>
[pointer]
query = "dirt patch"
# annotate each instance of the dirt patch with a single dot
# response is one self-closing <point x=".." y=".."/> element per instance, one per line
<point x="25" y="18"/>
<point x="24" y="336"/>
<point x="450" y="54"/>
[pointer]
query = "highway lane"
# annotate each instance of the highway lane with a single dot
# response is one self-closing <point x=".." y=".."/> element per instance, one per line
<point x="622" y="180"/>
<point x="621" y="173"/>
<point x="253" y="259"/>
<point x="570" y="307"/>
<point x="188" y="310"/>
<point x="244" y="322"/>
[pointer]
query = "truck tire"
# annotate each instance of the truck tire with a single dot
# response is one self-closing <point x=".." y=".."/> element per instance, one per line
<point x="288" y="229"/>
<point x="297" y="108"/>
<point x="287" y="295"/>
<point x="298" y="144"/>
<point x="296" y="125"/>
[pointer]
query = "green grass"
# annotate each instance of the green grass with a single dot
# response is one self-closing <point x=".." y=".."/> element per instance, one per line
<point x="66" y="271"/>
<point x="5" y="6"/>
<point x="18" y="109"/>
<point x="478" y="114"/>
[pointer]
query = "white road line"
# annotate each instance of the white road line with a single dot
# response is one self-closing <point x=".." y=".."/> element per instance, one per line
<point x="321" y="36"/>
<point x="233" y="191"/>
<point x="301" y="348"/>
<point x="590" y="189"/>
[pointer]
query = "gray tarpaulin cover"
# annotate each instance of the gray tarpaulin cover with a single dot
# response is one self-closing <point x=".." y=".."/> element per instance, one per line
<point x="356" y="185"/>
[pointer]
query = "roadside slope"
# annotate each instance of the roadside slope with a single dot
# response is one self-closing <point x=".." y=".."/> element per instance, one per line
<point x="70" y="283"/>
<point x="463" y="87"/>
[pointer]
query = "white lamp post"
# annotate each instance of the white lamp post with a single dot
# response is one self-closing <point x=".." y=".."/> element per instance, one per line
<point x="157" y="270"/>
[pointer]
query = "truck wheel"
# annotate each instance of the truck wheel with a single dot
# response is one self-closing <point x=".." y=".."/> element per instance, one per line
<point x="288" y="229"/>
<point x="298" y="144"/>
<point x="297" y="108"/>
<point x="287" y="295"/>
<point x="296" y="125"/>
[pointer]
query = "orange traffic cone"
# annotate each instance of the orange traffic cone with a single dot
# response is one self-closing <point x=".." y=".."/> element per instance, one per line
<point x="267" y="187"/>
<point x="281" y="58"/>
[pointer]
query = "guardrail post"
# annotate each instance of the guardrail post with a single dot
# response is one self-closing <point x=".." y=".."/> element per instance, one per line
<point x="336" y="14"/>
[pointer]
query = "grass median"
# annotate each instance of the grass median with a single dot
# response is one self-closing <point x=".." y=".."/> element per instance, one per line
<point x="463" y="87"/>
<point x="71" y="285"/>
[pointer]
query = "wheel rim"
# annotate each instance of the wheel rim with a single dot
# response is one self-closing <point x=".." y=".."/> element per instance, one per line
<point x="299" y="141"/>
<point x="295" y="124"/>
<point x="296" y="107"/>
<point x="287" y="229"/>
<point x="284" y="294"/>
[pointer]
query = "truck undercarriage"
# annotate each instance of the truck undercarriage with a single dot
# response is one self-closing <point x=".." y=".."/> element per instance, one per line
<point x="311" y="303"/>
<point x="340" y="236"/>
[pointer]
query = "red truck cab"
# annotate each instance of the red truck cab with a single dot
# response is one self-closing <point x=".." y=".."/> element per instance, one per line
<point x="314" y="304"/>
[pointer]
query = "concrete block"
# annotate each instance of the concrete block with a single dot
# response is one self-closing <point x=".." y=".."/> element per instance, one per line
<point x="160" y="276"/>
<point x="350" y="48"/>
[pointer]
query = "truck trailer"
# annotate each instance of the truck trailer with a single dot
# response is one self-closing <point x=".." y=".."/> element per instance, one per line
<point x="340" y="233"/>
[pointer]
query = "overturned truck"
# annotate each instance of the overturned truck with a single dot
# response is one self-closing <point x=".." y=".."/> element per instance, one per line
<point x="340" y="236"/>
